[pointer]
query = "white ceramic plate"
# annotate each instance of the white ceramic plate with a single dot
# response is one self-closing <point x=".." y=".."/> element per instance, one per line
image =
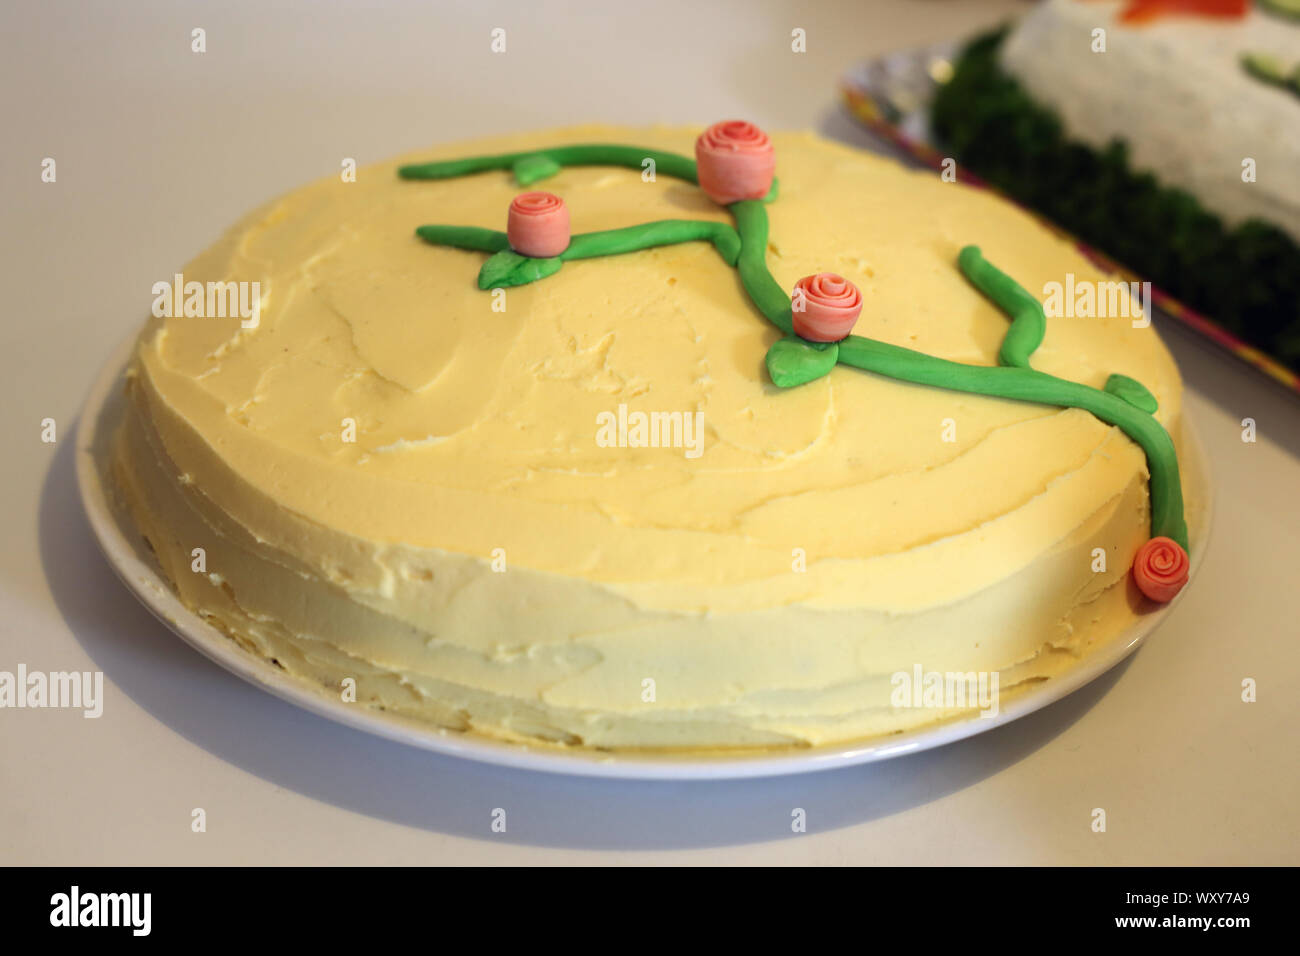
<point x="130" y="558"/>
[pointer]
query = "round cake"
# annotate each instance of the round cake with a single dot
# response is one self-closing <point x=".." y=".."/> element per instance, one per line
<point x="578" y="506"/>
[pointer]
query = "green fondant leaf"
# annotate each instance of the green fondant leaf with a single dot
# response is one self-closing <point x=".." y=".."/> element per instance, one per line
<point x="532" y="169"/>
<point x="793" y="361"/>
<point x="1133" y="392"/>
<point x="1283" y="8"/>
<point x="509" y="268"/>
<point x="1264" y="66"/>
<point x="774" y="192"/>
<point x="1271" y="70"/>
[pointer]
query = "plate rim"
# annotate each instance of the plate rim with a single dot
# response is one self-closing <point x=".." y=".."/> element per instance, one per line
<point x="148" y="586"/>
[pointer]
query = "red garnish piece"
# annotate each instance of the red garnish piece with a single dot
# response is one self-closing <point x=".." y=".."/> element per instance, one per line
<point x="1144" y="11"/>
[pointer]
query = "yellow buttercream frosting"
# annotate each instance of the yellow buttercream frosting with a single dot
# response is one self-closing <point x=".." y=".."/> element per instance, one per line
<point x="396" y="477"/>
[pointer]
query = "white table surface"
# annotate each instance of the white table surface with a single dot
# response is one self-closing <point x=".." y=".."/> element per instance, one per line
<point x="158" y="149"/>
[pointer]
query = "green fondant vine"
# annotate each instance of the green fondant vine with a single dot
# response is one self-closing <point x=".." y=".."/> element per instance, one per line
<point x="508" y="268"/>
<point x="791" y="361"/>
<point x="1272" y="71"/>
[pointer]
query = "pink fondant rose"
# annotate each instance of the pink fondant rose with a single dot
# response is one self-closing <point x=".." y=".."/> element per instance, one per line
<point x="825" y="307"/>
<point x="538" y="225"/>
<point x="734" y="160"/>
<point x="1160" y="569"/>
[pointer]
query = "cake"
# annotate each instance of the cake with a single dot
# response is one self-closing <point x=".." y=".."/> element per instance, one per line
<point x="616" y="478"/>
<point x="1164" y="132"/>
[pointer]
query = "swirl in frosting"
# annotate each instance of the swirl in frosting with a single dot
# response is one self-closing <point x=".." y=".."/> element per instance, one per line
<point x="734" y="161"/>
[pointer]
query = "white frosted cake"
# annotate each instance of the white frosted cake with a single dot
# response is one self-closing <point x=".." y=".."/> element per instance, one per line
<point x="1176" y="90"/>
